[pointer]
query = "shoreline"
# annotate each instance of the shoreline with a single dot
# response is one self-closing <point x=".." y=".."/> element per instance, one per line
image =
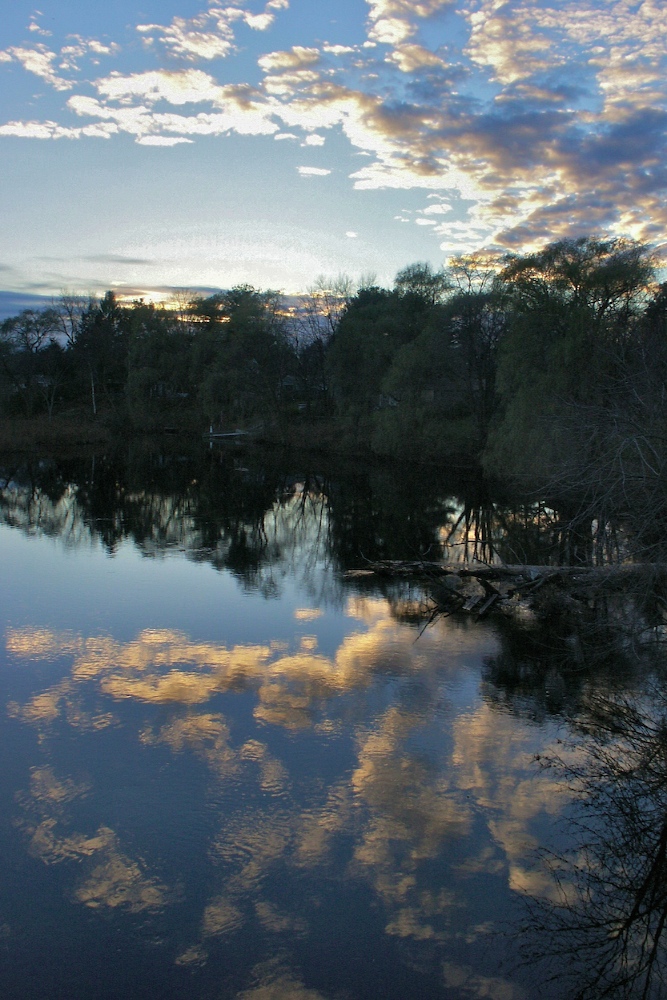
<point x="66" y="433"/>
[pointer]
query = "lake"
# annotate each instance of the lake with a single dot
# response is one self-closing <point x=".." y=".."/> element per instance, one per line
<point x="230" y="771"/>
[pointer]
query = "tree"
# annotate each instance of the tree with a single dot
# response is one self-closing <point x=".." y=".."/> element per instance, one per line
<point x="25" y="338"/>
<point x="99" y="349"/>
<point x="604" y="280"/>
<point x="422" y="282"/>
<point x="574" y="308"/>
<point x="158" y="363"/>
<point x="241" y="356"/>
<point x="443" y="380"/>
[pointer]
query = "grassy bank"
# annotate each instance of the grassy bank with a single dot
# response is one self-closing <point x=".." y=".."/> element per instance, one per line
<point x="21" y="434"/>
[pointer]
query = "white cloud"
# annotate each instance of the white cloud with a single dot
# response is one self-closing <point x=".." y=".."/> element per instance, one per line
<point x="176" y="87"/>
<point x="351" y="235"/>
<point x="190" y="40"/>
<point x="314" y="140"/>
<point x="442" y="208"/>
<point x="259" y="22"/>
<point x="209" y="35"/>
<point x="232" y="119"/>
<point x="338" y="50"/>
<point x="35" y="27"/>
<point x="393" y="21"/>
<point x="141" y="121"/>
<point x="81" y="47"/>
<point x="52" y="130"/>
<point x="313" y="171"/>
<point x="40" y="62"/>
<point x="286" y="85"/>
<point x="161" y="140"/>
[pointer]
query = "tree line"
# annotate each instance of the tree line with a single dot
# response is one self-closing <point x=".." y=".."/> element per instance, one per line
<point x="550" y="367"/>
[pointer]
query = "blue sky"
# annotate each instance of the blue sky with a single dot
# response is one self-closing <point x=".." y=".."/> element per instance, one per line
<point x="195" y="144"/>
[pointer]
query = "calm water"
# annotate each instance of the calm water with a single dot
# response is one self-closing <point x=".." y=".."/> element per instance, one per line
<point x="230" y="772"/>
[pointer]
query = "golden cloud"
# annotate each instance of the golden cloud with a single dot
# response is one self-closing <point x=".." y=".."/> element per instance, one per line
<point x="221" y="917"/>
<point x="276" y="983"/>
<point x="296" y="58"/>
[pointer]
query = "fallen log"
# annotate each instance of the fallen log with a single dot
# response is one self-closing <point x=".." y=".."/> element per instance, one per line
<point x="485" y="571"/>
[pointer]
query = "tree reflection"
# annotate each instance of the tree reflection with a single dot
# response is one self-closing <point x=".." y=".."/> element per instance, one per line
<point x="248" y="511"/>
<point x="604" y="924"/>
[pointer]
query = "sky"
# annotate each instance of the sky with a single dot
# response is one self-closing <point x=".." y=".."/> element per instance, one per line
<point x="199" y="144"/>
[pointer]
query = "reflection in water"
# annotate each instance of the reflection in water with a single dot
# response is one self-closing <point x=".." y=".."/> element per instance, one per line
<point x="346" y="806"/>
<point x="607" y="910"/>
<point x="254" y="517"/>
<point x="112" y="879"/>
<point x="389" y="820"/>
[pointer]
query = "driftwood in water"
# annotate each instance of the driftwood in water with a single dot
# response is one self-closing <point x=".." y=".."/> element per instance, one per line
<point x="499" y="584"/>
<point x="529" y="574"/>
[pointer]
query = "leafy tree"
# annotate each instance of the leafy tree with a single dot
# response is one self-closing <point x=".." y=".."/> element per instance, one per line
<point x="368" y="335"/>
<point x="444" y="381"/>
<point x="158" y="384"/>
<point x="575" y="307"/>
<point x="99" y="350"/>
<point x="422" y="282"/>
<point x="241" y="356"/>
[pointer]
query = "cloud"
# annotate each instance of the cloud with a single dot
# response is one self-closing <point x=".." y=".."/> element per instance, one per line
<point x="34" y="27"/>
<point x="161" y="140"/>
<point x="393" y="21"/>
<point x="313" y="171"/>
<point x="51" y="130"/>
<point x="175" y="87"/>
<point x="209" y="35"/>
<point x="81" y="47"/>
<point x="543" y="119"/>
<point x="339" y="50"/>
<point x="259" y="22"/>
<point x="40" y="62"/>
<point x="295" y="58"/>
<point x="116" y="258"/>
<point x="410" y="58"/>
<point x="239" y="108"/>
<point x="188" y="40"/>
<point x="441" y="208"/>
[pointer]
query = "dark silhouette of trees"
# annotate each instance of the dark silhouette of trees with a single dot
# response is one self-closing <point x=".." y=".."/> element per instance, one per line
<point x="549" y="367"/>
<point x="241" y="357"/>
<point x="99" y="351"/>
<point x="574" y="306"/>
<point x="33" y="362"/>
<point x="603" y="928"/>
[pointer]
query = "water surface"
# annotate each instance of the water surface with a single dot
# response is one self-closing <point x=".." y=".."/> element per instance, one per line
<point x="231" y="772"/>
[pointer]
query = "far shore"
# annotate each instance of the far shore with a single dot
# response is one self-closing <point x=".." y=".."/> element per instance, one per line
<point x="72" y="432"/>
<point x="31" y="434"/>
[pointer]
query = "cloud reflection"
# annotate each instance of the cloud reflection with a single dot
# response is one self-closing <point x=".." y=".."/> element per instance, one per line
<point x="430" y="802"/>
<point x="111" y="878"/>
